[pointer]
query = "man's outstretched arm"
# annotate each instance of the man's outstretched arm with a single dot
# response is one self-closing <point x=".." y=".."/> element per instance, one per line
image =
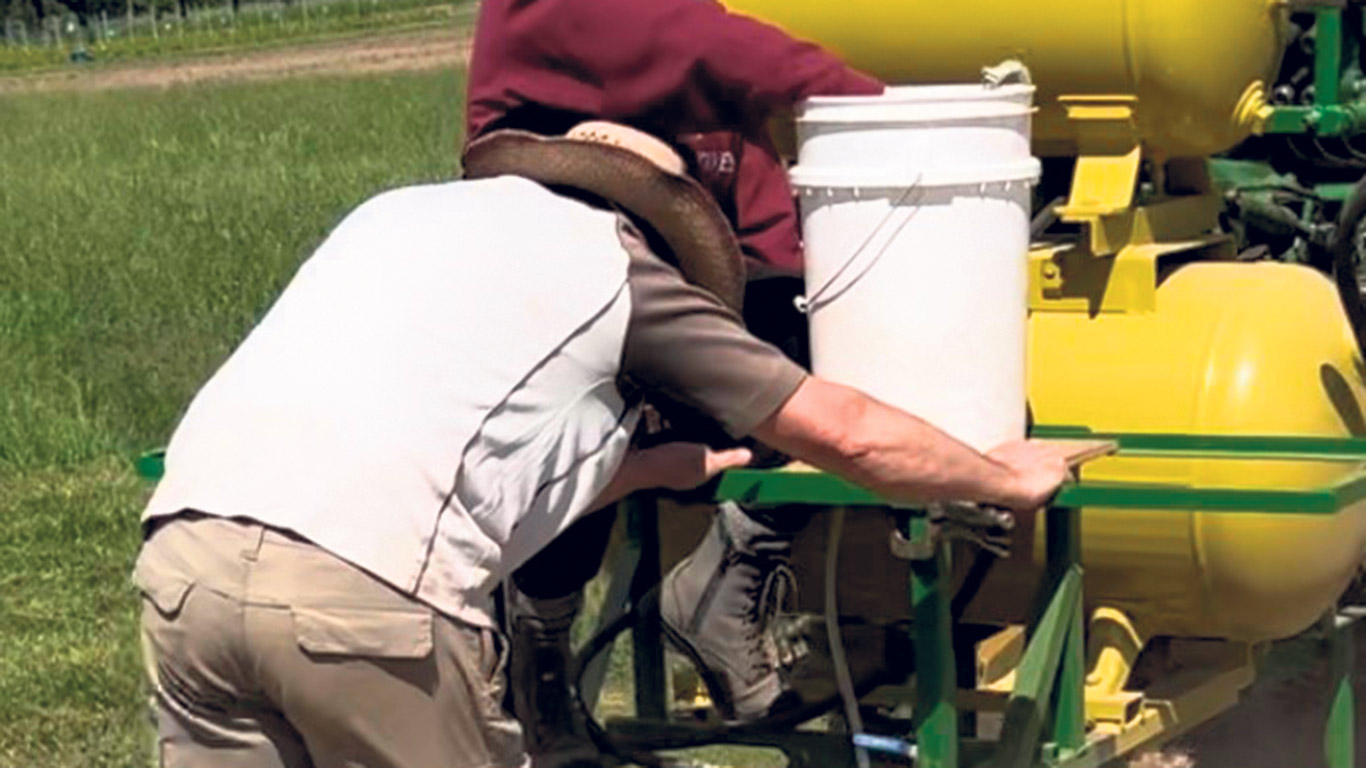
<point x="904" y="458"/>
<point x="684" y="344"/>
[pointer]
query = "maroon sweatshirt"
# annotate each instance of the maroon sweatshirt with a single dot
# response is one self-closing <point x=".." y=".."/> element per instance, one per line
<point x="686" y="69"/>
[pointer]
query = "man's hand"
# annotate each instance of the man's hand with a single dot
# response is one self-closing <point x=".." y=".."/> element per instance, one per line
<point x="1037" y="469"/>
<point x="675" y="466"/>
<point x="682" y="466"/>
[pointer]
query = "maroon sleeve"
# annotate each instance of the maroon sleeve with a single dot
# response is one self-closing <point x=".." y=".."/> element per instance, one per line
<point x="684" y="64"/>
<point x="767" y="66"/>
<point x="698" y="48"/>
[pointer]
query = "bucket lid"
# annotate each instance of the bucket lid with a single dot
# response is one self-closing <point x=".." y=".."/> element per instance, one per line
<point x="922" y="94"/>
<point x="921" y="102"/>
<point x="1026" y="169"/>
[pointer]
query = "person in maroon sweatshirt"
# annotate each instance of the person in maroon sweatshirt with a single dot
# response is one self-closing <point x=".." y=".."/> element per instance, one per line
<point x="682" y="68"/>
<point x="711" y="79"/>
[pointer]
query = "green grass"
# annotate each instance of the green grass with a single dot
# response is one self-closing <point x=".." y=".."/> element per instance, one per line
<point x="70" y="684"/>
<point x="149" y="230"/>
<point x="144" y="232"/>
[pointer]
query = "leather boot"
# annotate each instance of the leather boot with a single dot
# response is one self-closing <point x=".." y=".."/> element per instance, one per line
<point x="538" y="676"/>
<point x="717" y="606"/>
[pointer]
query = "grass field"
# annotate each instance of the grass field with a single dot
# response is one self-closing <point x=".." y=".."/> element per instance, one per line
<point x="142" y="234"/>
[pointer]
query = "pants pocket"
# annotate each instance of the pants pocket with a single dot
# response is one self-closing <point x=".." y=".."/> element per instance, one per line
<point x="363" y="632"/>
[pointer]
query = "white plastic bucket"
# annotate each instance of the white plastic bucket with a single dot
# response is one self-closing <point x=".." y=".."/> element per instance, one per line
<point x="915" y="207"/>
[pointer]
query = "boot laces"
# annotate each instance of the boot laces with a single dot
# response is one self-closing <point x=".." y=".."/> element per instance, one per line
<point x="775" y="593"/>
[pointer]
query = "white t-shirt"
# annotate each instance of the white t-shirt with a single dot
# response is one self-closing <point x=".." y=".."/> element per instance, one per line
<point x="442" y="388"/>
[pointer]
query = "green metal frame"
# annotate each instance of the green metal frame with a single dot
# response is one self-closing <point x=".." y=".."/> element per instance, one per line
<point x="1045" y="719"/>
<point x="1334" y="68"/>
<point x="1044" y="723"/>
<point x="1339" y="742"/>
<point x="1338" y="109"/>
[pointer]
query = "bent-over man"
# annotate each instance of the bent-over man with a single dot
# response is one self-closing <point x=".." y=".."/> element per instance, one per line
<point x="446" y="384"/>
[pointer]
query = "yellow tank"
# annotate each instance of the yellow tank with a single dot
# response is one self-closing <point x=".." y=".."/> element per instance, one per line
<point x="1197" y="68"/>
<point x="1233" y="349"/>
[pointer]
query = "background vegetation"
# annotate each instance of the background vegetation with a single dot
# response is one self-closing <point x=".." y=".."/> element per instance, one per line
<point x="43" y="34"/>
<point x="142" y="234"/>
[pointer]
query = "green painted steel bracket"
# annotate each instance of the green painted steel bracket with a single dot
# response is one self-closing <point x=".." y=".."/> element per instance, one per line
<point x="1335" y="191"/>
<point x="1327" y="55"/>
<point x="1063" y="561"/>
<point x="759" y="487"/>
<point x="151" y="465"/>
<point x="1335" y="120"/>
<point x="1339" y="736"/>
<point x="1026" y="712"/>
<point x="936" y="711"/>
<point x="1329" y="115"/>
<point x="647" y="636"/>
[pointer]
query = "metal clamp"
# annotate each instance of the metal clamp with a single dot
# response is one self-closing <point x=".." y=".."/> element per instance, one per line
<point x="985" y="526"/>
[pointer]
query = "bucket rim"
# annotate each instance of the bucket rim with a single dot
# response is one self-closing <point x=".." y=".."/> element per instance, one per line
<point x="929" y="94"/>
<point x="1026" y="169"/>
<point x="833" y="115"/>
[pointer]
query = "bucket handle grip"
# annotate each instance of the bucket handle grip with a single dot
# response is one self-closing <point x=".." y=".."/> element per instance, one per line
<point x="808" y="303"/>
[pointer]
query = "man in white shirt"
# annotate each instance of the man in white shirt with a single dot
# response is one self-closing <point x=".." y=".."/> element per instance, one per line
<point x="448" y="383"/>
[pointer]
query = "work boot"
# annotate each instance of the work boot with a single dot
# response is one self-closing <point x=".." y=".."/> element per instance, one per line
<point x="717" y="606"/>
<point x="538" y="675"/>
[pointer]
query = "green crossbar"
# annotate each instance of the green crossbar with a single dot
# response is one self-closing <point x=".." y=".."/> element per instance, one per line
<point x="766" y="487"/>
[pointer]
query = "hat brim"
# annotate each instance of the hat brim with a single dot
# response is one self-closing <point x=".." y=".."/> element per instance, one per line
<point x="677" y="207"/>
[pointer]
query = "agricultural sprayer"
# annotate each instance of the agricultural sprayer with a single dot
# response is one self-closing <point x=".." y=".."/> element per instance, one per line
<point x="1193" y="298"/>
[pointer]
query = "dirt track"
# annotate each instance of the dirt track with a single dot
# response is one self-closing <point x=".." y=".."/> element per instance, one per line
<point x="427" y="49"/>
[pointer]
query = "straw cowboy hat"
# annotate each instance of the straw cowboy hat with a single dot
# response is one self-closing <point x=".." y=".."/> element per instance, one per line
<point x="637" y="172"/>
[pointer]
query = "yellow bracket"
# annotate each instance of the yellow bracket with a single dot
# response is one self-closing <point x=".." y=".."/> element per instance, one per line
<point x="1108" y="162"/>
<point x="1195" y="680"/>
<point x="1113" y="644"/>
<point x="1206" y="678"/>
<point x="1068" y="277"/>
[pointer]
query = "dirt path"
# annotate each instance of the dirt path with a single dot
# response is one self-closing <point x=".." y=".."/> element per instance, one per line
<point x="393" y="52"/>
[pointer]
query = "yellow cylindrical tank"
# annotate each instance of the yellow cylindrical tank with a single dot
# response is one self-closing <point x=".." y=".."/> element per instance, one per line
<point x="1232" y="349"/>
<point x="1195" y="67"/>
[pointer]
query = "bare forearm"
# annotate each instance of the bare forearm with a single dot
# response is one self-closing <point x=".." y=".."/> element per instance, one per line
<point x="884" y="449"/>
<point x="628" y="479"/>
<point x="905" y="458"/>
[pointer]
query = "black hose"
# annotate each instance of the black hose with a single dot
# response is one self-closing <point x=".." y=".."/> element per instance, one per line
<point x="625" y="748"/>
<point x="598" y="643"/>
<point x="1342" y="253"/>
<point x="972" y="584"/>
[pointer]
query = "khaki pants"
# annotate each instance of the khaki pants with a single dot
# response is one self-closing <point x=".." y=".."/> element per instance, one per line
<point x="264" y="650"/>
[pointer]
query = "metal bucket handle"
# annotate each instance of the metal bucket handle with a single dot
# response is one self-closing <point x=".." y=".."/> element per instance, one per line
<point x="808" y="303"/>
